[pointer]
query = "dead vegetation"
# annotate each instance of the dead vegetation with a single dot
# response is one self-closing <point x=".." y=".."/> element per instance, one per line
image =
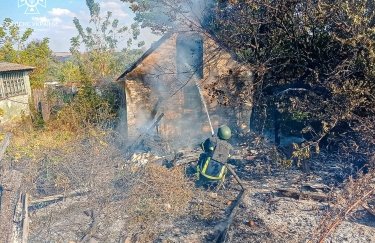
<point x="84" y="186"/>
<point x="83" y="189"/>
<point x="356" y="192"/>
<point x="94" y="187"/>
<point x="158" y="196"/>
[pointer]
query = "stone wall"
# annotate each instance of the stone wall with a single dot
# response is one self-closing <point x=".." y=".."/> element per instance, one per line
<point x="222" y="72"/>
<point x="41" y="103"/>
<point x="156" y="79"/>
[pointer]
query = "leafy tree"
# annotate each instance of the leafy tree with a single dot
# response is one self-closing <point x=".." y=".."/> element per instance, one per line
<point x="154" y="14"/>
<point x="12" y="40"/>
<point x="68" y="72"/>
<point x="16" y="49"/>
<point x="313" y="61"/>
<point x="101" y="40"/>
<point x="164" y="15"/>
<point x="38" y="54"/>
<point x="311" y="58"/>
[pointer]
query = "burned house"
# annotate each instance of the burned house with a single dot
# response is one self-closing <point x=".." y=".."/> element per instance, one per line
<point x="177" y="78"/>
<point x="15" y="91"/>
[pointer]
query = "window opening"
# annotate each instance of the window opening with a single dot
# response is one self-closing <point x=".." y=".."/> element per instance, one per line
<point x="12" y="84"/>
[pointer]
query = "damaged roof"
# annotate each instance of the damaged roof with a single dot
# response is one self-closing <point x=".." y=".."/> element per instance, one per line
<point x="153" y="47"/>
<point x="156" y="45"/>
<point x="7" y="66"/>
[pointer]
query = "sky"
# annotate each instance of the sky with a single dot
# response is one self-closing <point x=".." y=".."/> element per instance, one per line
<point x="54" y="18"/>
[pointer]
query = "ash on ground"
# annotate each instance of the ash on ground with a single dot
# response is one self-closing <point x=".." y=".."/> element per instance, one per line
<point x="152" y="197"/>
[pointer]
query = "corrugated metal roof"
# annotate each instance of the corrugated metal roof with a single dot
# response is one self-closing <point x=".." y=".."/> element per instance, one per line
<point x="7" y="66"/>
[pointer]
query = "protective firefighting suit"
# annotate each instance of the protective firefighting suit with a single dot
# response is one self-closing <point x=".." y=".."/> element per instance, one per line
<point x="211" y="164"/>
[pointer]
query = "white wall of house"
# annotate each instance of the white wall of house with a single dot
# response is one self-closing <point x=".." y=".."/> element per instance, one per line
<point x="14" y="106"/>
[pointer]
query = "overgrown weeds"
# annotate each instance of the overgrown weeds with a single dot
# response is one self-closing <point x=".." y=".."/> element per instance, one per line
<point x="88" y="113"/>
<point x="89" y="107"/>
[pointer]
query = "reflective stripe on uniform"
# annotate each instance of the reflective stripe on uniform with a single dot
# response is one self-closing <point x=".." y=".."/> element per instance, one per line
<point x="203" y="171"/>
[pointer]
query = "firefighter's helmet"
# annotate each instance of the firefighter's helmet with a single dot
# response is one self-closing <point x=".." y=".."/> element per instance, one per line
<point x="224" y="132"/>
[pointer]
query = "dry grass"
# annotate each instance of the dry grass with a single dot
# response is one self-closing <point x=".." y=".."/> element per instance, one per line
<point x="59" y="161"/>
<point x="33" y="143"/>
<point x="159" y="191"/>
<point x="354" y="194"/>
<point x="156" y="197"/>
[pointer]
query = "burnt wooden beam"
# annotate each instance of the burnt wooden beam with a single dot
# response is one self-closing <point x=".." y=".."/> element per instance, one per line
<point x="20" y="230"/>
<point x="26" y="222"/>
<point x="235" y="176"/>
<point x="58" y="197"/>
<point x="296" y="194"/>
<point x="223" y="228"/>
<point x="140" y="137"/>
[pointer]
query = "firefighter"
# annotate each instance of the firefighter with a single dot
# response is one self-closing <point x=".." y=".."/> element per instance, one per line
<point x="211" y="165"/>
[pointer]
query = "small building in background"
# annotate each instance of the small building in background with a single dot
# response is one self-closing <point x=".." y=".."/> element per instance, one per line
<point x="173" y="76"/>
<point x="15" y="91"/>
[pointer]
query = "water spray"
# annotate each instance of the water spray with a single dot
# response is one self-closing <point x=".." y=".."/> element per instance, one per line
<point x="205" y="108"/>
